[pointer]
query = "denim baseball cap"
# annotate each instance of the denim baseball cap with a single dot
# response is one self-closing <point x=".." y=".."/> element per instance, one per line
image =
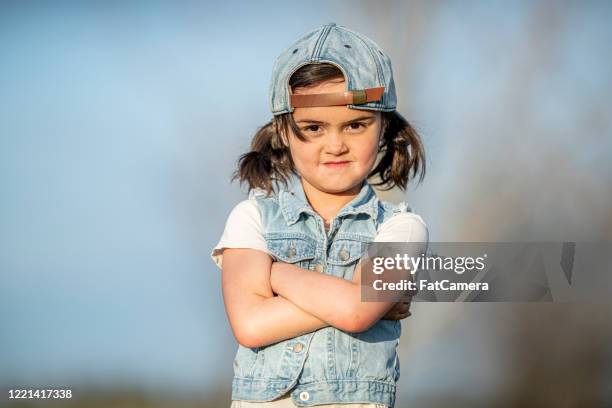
<point x="367" y="71"/>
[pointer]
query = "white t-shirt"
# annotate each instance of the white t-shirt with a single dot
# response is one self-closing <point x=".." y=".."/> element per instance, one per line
<point x="243" y="230"/>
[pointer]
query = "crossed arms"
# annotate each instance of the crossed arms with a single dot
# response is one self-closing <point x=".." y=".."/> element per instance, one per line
<point x="267" y="302"/>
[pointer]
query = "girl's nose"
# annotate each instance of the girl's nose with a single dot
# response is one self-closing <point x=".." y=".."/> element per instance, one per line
<point x="335" y="144"/>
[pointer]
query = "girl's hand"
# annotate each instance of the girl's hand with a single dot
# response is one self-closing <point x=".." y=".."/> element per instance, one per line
<point x="400" y="311"/>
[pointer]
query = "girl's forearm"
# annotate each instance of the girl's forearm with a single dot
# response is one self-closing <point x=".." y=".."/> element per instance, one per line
<point x="334" y="300"/>
<point x="274" y="319"/>
<point x="256" y="316"/>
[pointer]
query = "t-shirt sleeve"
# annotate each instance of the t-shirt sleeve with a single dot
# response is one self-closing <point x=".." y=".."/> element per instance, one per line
<point x="403" y="227"/>
<point x="242" y="230"/>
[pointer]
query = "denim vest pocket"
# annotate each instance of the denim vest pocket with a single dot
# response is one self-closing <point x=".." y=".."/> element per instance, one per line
<point x="344" y="253"/>
<point x="292" y="247"/>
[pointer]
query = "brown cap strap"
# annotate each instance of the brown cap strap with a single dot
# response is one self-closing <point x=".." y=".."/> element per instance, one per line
<point x="355" y="97"/>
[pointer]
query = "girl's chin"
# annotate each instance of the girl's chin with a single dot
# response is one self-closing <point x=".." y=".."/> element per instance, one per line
<point x="330" y="187"/>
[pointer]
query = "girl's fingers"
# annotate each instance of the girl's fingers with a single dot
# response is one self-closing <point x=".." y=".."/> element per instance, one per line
<point x="401" y="316"/>
<point x="406" y="299"/>
<point x="400" y="311"/>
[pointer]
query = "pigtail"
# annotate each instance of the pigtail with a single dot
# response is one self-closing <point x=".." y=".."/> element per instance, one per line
<point x="267" y="163"/>
<point x="403" y="154"/>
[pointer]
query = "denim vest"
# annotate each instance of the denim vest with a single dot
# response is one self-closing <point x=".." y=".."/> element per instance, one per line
<point x="328" y="365"/>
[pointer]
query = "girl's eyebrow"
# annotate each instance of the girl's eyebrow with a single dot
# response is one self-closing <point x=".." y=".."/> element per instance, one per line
<point x="318" y="122"/>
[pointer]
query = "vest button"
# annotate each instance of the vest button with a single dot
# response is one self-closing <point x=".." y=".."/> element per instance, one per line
<point x="304" y="396"/>
<point x="344" y="255"/>
<point x="297" y="347"/>
<point x="319" y="268"/>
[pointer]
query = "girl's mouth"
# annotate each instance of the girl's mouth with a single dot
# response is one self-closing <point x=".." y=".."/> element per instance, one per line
<point x="336" y="164"/>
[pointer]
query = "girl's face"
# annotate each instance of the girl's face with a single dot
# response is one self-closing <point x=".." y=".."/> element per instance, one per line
<point x="341" y="143"/>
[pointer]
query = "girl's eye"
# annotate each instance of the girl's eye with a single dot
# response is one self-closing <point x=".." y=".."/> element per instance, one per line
<point x="356" y="126"/>
<point x="312" y="128"/>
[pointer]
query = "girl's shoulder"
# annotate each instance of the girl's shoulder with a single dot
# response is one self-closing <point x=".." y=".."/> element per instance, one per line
<point x="257" y="207"/>
<point x="273" y="209"/>
<point x="400" y="223"/>
<point x="242" y="230"/>
<point x="245" y="209"/>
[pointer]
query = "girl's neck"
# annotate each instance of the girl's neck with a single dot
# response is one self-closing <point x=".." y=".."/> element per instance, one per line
<point x="326" y="204"/>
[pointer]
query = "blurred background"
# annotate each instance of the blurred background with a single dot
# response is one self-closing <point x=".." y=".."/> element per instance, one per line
<point x="120" y="129"/>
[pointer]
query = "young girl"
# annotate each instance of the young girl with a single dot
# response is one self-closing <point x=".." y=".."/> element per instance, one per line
<point x="290" y="253"/>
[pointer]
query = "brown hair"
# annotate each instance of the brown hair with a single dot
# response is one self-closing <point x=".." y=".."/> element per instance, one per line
<point x="269" y="161"/>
